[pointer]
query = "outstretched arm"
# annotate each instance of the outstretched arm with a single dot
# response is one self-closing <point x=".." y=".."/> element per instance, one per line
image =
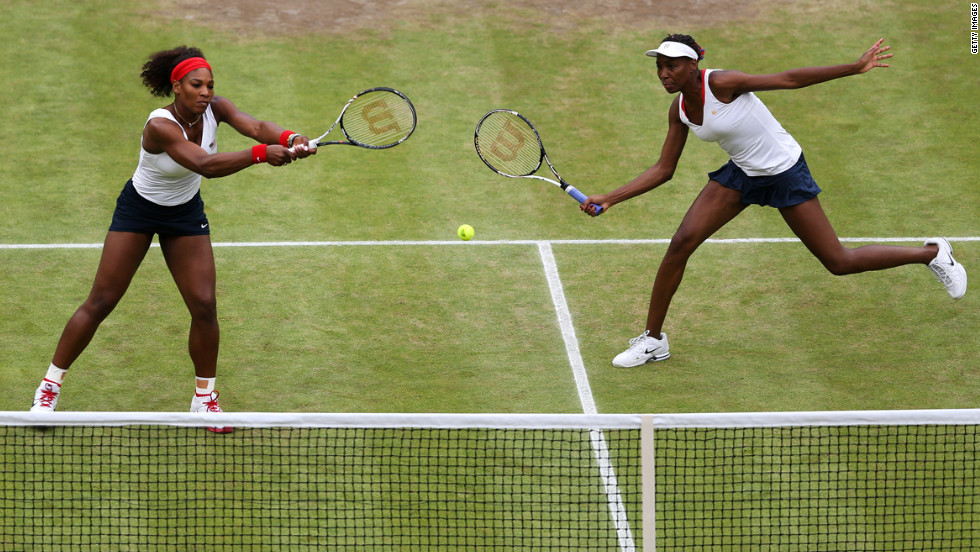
<point x="726" y="85"/>
<point x="162" y="135"/>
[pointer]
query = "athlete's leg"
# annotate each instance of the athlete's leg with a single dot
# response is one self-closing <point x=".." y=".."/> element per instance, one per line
<point x="122" y="254"/>
<point x="810" y="224"/>
<point x="714" y="207"/>
<point x="191" y="262"/>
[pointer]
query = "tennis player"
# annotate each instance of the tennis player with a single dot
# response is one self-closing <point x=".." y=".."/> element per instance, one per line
<point x="163" y="197"/>
<point x="767" y="167"/>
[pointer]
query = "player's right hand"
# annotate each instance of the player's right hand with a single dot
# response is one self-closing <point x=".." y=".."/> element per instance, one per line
<point x="589" y="206"/>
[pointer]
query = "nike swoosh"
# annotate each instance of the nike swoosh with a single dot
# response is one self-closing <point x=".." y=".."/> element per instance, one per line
<point x="649" y="351"/>
<point x="204" y="226"/>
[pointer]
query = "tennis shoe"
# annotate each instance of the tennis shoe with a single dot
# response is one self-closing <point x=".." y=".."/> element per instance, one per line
<point x="46" y="396"/>
<point x="208" y="403"/>
<point x="946" y="270"/>
<point x="643" y="349"/>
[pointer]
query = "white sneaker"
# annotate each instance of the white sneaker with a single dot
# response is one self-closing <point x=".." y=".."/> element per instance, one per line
<point x="209" y="403"/>
<point x="643" y="349"/>
<point x="46" y="396"/>
<point x="946" y="270"/>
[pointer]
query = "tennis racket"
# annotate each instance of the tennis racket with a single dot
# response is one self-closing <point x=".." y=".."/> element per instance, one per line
<point x="510" y="145"/>
<point x="377" y="118"/>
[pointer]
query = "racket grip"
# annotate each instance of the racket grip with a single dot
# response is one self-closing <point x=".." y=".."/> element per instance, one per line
<point x="312" y="147"/>
<point x="580" y="197"/>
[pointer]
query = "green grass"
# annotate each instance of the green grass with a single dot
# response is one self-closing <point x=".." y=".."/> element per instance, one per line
<point x="471" y="327"/>
<point x="288" y="488"/>
<point x="153" y="488"/>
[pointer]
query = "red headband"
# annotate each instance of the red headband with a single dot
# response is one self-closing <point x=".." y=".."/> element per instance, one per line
<point x="187" y="66"/>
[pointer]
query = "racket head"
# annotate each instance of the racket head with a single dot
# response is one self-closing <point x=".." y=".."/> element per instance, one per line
<point x="508" y="143"/>
<point x="378" y="118"/>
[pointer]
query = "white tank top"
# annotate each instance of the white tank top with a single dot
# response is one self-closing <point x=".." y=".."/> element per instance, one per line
<point x="747" y="131"/>
<point x="160" y="179"/>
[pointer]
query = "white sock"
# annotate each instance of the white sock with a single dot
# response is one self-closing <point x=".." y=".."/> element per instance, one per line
<point x="55" y="374"/>
<point x="206" y="390"/>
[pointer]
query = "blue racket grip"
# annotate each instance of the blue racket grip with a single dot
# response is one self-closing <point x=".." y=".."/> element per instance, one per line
<point x="580" y="197"/>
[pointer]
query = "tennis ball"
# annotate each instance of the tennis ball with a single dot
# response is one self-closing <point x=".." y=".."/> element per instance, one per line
<point x="465" y="232"/>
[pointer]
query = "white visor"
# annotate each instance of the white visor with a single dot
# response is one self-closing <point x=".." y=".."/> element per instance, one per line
<point x="674" y="50"/>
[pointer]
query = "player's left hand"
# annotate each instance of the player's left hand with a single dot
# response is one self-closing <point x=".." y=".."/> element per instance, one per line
<point x="277" y="156"/>
<point x="872" y="58"/>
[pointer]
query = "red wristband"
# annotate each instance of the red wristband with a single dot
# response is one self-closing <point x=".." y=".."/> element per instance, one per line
<point x="259" y="153"/>
<point x="284" y="138"/>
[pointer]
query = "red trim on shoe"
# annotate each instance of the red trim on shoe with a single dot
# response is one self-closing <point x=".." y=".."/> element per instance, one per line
<point x="48" y="395"/>
<point x="222" y="430"/>
<point x="212" y="406"/>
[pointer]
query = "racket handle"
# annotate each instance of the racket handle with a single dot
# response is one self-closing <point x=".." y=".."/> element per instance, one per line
<point x="580" y="197"/>
<point x="312" y="147"/>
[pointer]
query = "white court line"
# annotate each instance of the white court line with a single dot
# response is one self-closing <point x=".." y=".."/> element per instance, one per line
<point x="355" y="243"/>
<point x="567" y="329"/>
<point x="600" y="449"/>
<point x="599" y="446"/>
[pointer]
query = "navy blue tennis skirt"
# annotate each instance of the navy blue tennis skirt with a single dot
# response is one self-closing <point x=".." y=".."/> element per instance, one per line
<point x="135" y="213"/>
<point x="788" y="188"/>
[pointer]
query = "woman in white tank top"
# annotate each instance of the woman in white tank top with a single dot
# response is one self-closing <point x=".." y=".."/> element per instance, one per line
<point x="178" y="147"/>
<point x="767" y="167"/>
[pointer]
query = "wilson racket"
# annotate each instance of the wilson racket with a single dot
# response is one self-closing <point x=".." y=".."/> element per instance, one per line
<point x="510" y="145"/>
<point x="376" y="118"/>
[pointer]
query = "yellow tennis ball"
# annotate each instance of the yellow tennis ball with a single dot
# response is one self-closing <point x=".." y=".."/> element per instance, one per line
<point x="465" y="232"/>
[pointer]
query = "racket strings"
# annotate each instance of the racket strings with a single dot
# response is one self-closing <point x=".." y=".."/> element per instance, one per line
<point x="508" y="144"/>
<point x="379" y="118"/>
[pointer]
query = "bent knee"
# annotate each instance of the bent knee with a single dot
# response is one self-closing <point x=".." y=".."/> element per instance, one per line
<point x="838" y="270"/>
<point x="203" y="307"/>
<point x="98" y="306"/>
<point x="683" y="244"/>
<point x="840" y="264"/>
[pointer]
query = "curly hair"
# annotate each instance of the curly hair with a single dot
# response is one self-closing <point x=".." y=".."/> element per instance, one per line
<point x="156" y="71"/>
<point x="687" y="40"/>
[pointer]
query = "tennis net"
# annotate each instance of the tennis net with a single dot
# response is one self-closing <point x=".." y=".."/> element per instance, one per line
<point x="894" y="481"/>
